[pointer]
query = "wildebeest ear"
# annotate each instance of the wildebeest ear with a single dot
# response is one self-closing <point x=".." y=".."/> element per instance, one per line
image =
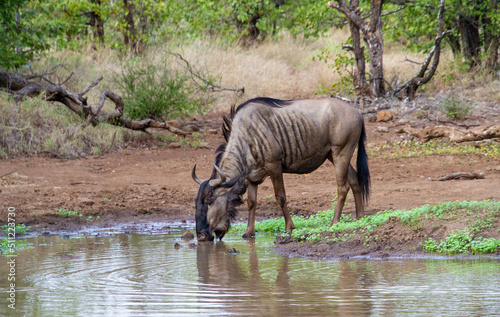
<point x="231" y="183"/>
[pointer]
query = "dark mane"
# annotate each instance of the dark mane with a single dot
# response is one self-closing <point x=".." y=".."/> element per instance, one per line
<point x="270" y="102"/>
<point x="218" y="157"/>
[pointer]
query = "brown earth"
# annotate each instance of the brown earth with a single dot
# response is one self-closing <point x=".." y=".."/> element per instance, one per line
<point x="149" y="181"/>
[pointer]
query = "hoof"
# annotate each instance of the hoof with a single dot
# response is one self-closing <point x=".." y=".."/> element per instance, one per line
<point x="248" y="236"/>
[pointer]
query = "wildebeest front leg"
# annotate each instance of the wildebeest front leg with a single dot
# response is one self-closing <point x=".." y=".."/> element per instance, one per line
<point x="279" y="192"/>
<point x="252" y="206"/>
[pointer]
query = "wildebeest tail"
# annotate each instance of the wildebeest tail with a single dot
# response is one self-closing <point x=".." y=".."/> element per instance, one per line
<point x="362" y="166"/>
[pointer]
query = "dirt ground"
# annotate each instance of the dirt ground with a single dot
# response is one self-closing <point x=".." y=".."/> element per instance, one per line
<point x="148" y="182"/>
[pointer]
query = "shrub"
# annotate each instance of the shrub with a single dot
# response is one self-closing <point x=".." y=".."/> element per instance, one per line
<point x="456" y="108"/>
<point x="158" y="92"/>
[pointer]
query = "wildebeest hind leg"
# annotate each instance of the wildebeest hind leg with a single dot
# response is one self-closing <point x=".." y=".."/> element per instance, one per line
<point x="341" y="173"/>
<point x="352" y="178"/>
<point x="252" y="206"/>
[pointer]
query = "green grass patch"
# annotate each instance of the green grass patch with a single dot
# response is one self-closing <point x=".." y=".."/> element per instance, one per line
<point x="462" y="241"/>
<point x="10" y="247"/>
<point x="69" y="213"/>
<point x="20" y="229"/>
<point x="410" y="148"/>
<point x="316" y="228"/>
<point x="8" y="244"/>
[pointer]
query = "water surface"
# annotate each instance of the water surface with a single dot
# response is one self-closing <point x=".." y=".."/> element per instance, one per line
<point x="144" y="274"/>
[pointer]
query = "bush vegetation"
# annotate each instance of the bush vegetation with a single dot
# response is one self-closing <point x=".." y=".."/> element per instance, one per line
<point x="158" y="92"/>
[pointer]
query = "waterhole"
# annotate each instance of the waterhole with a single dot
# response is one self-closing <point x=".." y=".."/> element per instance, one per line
<point x="159" y="274"/>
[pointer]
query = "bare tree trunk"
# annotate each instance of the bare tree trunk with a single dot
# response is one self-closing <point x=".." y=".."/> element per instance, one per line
<point x="360" y="85"/>
<point x="130" y="36"/>
<point x="372" y="35"/>
<point x="97" y="22"/>
<point x="373" y="38"/>
<point x="469" y="29"/>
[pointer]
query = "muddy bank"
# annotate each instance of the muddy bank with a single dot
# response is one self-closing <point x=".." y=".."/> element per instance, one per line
<point x="395" y="238"/>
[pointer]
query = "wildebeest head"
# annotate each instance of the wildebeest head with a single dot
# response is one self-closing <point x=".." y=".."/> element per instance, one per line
<point x="216" y="203"/>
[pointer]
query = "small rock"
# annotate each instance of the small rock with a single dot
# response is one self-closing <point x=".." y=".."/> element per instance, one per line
<point x="382" y="129"/>
<point x="384" y="116"/>
<point x="205" y="145"/>
<point x="175" y="145"/>
<point x="174" y="123"/>
<point x="371" y="117"/>
<point x="177" y="246"/>
<point x="188" y="235"/>
<point x="192" y="128"/>
<point x="212" y="131"/>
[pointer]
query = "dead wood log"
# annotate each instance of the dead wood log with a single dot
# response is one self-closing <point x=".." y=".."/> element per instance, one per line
<point x="22" y="87"/>
<point x="457" y="176"/>
<point x="455" y="135"/>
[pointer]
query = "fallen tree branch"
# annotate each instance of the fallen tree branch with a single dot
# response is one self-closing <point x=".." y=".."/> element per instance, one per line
<point x="457" y="176"/>
<point x="22" y="87"/>
<point x="92" y="85"/>
<point x="455" y="135"/>
<point x="108" y="117"/>
<point x="10" y="172"/>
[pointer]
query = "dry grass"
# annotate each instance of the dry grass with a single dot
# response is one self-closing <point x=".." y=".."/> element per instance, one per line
<point x="281" y="68"/>
<point x="35" y="127"/>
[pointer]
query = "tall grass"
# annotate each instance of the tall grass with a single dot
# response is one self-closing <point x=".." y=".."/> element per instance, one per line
<point x="35" y="127"/>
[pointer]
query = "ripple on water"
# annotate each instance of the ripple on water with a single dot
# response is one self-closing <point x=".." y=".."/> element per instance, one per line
<point x="138" y="274"/>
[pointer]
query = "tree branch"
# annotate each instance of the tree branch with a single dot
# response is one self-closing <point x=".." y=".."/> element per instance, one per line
<point x="351" y="15"/>
<point x="78" y="104"/>
<point x="425" y="73"/>
<point x="92" y="85"/>
<point x="206" y="83"/>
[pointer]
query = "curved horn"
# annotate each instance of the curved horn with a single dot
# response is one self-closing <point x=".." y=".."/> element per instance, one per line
<point x="196" y="178"/>
<point x="217" y="181"/>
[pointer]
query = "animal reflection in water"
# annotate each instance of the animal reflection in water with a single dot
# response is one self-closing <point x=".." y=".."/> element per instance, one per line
<point x="269" y="137"/>
<point x="270" y="286"/>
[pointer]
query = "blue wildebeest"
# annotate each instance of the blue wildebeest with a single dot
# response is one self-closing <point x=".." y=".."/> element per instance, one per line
<point x="269" y="137"/>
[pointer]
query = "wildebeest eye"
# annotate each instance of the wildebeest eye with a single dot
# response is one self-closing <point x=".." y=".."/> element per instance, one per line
<point x="209" y="199"/>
